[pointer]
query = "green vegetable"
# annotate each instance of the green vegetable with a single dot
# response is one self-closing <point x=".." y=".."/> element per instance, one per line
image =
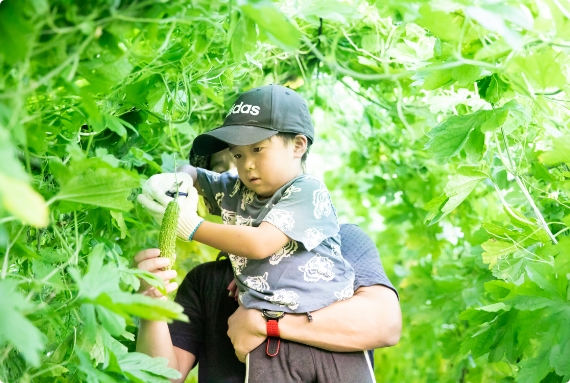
<point x="167" y="236"/>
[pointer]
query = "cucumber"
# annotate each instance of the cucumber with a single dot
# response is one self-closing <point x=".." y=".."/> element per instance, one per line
<point x="167" y="236"/>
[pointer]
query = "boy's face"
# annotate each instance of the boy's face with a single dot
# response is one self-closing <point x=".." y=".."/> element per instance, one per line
<point x="267" y="165"/>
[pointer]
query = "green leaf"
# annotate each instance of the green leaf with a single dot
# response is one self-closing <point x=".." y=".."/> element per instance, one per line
<point x="112" y="322"/>
<point x="437" y="78"/>
<point x="495" y="249"/>
<point x="560" y="152"/>
<point x="15" y="328"/>
<point x="466" y="75"/>
<point x="445" y="25"/>
<point x="510" y="116"/>
<point x="120" y="222"/>
<point x="9" y="164"/>
<point x="562" y="260"/>
<point x="332" y="10"/>
<point x="479" y="343"/>
<point x="143" y="368"/>
<point x="560" y="354"/>
<point x="102" y="186"/>
<point x="117" y="125"/>
<point x="540" y="69"/>
<point x="460" y="186"/>
<point x="243" y="40"/>
<point x="492" y="88"/>
<point x="16" y="30"/>
<point x="22" y="201"/>
<point x="449" y="137"/>
<point x="434" y="208"/>
<point x="273" y="22"/>
<point x="536" y="368"/>
<point x="495" y="22"/>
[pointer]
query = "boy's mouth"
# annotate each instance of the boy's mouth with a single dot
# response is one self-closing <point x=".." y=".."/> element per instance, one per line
<point x="253" y="179"/>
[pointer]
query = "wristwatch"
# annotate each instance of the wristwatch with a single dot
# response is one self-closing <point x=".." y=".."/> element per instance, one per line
<point x="273" y="336"/>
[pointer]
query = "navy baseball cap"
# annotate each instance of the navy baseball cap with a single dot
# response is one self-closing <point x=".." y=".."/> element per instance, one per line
<point x="257" y="115"/>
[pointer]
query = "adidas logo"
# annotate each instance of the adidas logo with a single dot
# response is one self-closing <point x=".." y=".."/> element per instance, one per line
<point x="241" y="108"/>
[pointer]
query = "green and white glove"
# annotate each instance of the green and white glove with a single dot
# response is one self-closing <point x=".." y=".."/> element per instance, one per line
<point x="155" y="199"/>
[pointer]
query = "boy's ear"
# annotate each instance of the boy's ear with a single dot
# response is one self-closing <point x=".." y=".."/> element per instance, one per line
<point x="300" y="144"/>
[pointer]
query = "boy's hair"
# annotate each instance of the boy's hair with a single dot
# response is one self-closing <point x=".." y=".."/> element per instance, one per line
<point x="289" y="138"/>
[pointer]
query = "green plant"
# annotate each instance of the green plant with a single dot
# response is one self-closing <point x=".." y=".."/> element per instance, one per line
<point x="448" y="120"/>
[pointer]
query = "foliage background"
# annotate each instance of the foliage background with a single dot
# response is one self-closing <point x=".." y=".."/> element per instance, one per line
<point x="443" y="132"/>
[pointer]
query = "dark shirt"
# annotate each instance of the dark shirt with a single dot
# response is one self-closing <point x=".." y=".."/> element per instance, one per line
<point x="204" y="296"/>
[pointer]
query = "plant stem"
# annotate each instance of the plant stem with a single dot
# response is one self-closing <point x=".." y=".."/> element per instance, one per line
<point x="7" y="255"/>
<point x="511" y="169"/>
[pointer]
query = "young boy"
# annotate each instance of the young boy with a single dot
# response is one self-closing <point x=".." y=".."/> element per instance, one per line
<point x="280" y="227"/>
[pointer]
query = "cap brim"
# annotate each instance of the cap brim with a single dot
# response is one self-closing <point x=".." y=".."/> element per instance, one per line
<point x="220" y="138"/>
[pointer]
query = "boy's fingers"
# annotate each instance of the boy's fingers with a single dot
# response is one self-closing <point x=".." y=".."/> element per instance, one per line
<point x="150" y="204"/>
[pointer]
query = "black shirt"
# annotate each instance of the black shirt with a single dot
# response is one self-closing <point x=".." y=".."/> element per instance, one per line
<point x="204" y="296"/>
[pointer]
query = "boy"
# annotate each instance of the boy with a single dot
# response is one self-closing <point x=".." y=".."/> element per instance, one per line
<point x="281" y="231"/>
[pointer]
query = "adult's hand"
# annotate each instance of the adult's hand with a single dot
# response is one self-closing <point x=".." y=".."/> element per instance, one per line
<point x="247" y="330"/>
<point x="149" y="260"/>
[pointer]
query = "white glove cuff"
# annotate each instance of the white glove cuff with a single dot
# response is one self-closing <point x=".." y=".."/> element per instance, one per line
<point x="187" y="225"/>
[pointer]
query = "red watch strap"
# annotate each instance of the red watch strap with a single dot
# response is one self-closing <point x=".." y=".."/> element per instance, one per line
<point x="273" y="328"/>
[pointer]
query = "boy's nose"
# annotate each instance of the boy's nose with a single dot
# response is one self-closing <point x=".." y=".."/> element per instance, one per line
<point x="249" y="164"/>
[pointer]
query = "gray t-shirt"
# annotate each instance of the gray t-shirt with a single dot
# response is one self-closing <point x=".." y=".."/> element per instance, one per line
<point x="309" y="272"/>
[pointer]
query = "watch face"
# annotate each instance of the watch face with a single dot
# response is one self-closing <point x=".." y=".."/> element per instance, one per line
<point x="272" y="314"/>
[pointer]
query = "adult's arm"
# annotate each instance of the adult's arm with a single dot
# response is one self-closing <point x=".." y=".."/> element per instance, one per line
<point x="154" y="336"/>
<point x="154" y="340"/>
<point x="193" y="173"/>
<point x="370" y="319"/>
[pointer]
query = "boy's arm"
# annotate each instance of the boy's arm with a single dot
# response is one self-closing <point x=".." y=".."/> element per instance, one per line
<point x="370" y="319"/>
<point x="245" y="241"/>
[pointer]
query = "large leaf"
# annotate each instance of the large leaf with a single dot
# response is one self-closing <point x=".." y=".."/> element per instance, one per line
<point x="448" y="138"/>
<point x="560" y="152"/>
<point x="102" y="186"/>
<point x="540" y="69"/>
<point x="273" y="22"/>
<point x="21" y="200"/>
<point x="460" y="186"/>
<point x="15" y="328"/>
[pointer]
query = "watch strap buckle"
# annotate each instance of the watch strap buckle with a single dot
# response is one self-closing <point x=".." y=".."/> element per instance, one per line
<point x="273" y="344"/>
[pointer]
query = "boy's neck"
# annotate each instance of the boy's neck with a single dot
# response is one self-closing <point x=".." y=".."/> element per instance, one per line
<point x="261" y="198"/>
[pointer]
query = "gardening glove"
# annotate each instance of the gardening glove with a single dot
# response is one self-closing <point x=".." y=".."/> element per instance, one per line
<point x="157" y="190"/>
<point x="188" y="219"/>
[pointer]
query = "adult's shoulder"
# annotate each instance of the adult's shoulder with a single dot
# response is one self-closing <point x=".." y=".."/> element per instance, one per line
<point x="212" y="270"/>
<point x="360" y="251"/>
<point x="355" y="242"/>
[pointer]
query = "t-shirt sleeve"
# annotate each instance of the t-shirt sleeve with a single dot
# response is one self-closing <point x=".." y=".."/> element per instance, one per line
<point x="189" y="335"/>
<point x="305" y="213"/>
<point x="215" y="187"/>
<point x="361" y="252"/>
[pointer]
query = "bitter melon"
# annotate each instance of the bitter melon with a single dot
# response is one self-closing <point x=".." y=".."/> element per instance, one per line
<point x="167" y="235"/>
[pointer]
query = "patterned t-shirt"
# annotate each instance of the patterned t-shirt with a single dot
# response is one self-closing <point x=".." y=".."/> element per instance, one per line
<point x="309" y="272"/>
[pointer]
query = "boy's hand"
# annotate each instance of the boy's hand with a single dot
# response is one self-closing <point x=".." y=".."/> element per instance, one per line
<point x="154" y="196"/>
<point x="149" y="260"/>
<point x="155" y="199"/>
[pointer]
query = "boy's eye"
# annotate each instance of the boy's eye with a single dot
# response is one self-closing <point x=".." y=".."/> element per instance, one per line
<point x="237" y="156"/>
<point x="256" y="150"/>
